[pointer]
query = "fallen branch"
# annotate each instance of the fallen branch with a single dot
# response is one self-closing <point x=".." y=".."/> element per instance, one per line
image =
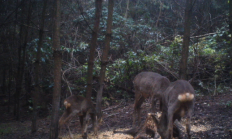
<point x="111" y="108"/>
<point x="112" y="115"/>
<point x="203" y="35"/>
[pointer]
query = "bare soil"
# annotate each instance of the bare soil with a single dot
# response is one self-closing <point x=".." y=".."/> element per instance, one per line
<point x="212" y="119"/>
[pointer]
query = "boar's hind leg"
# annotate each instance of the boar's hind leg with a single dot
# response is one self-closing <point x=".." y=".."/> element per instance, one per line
<point x="188" y="126"/>
<point x="139" y="99"/>
<point x="94" y="123"/>
<point x="83" y="125"/>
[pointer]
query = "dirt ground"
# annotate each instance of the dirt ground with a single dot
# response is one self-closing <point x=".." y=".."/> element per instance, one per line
<point x="212" y="119"/>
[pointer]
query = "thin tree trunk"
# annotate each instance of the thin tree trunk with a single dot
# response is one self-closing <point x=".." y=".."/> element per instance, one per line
<point x="37" y="91"/>
<point x="186" y="40"/>
<point x="104" y="59"/>
<point x="127" y="9"/>
<point x="57" y="71"/>
<point x="29" y="83"/>
<point x="230" y="25"/>
<point x="18" y="85"/>
<point x="9" y="86"/>
<point x="160" y="12"/>
<point x="21" y="66"/>
<point x="15" y="43"/>
<point x="230" y="18"/>
<point x="4" y="80"/>
<point x="93" y="44"/>
<point x="230" y="30"/>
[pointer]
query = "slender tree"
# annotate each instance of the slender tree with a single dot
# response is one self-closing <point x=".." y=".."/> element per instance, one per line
<point x="230" y="19"/>
<point x="104" y="59"/>
<point x="22" y="57"/>
<point x="93" y="43"/>
<point x="230" y="29"/>
<point x="186" y="39"/>
<point x="127" y="8"/>
<point x="57" y="71"/>
<point x="36" y="93"/>
<point x="11" y="61"/>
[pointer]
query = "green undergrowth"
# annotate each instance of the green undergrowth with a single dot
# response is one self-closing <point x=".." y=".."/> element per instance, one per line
<point x="5" y="129"/>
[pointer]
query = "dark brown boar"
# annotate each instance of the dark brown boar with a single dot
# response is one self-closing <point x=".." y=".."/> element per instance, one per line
<point x="178" y="101"/>
<point x="78" y="105"/>
<point x="148" y="84"/>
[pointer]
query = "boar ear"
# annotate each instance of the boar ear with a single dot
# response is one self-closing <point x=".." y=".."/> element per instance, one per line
<point x="67" y="104"/>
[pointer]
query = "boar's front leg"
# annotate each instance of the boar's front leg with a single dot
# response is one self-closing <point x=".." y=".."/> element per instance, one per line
<point x="83" y="125"/>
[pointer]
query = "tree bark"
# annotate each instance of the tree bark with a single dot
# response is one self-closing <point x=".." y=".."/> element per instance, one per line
<point x="4" y="79"/>
<point x="230" y="31"/>
<point x="230" y="18"/>
<point x="104" y="59"/>
<point x="18" y="80"/>
<point x="11" y="61"/>
<point x="9" y="86"/>
<point x="127" y="9"/>
<point x="57" y="71"/>
<point x="93" y="44"/>
<point x="21" y="58"/>
<point x="186" y="40"/>
<point x="37" y="91"/>
<point x="160" y="12"/>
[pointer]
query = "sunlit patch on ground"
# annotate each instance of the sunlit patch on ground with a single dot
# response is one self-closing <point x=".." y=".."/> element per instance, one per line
<point x="199" y="128"/>
<point x="101" y="135"/>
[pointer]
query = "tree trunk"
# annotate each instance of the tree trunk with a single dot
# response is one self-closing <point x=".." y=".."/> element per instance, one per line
<point x="186" y="40"/>
<point x="4" y="79"/>
<point x="93" y="44"/>
<point x="230" y="31"/>
<point x="104" y="59"/>
<point x="22" y="58"/>
<point x="160" y="12"/>
<point x="18" y="81"/>
<point x="9" y="86"/>
<point x="230" y="18"/>
<point x="11" y="61"/>
<point x="37" y="91"/>
<point x="127" y="9"/>
<point x="57" y="71"/>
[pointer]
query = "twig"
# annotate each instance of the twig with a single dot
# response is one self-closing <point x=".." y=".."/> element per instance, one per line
<point x="110" y="108"/>
<point x="169" y="71"/>
<point x="70" y="134"/>
<point x="215" y="85"/>
<point x="82" y="14"/>
<point x="112" y="115"/>
<point x="204" y="35"/>
<point x="108" y="127"/>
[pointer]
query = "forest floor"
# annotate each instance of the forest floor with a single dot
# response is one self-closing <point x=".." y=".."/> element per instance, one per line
<point x="212" y="119"/>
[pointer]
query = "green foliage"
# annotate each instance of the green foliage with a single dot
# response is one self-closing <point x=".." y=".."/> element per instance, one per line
<point x="46" y="50"/>
<point x="122" y="70"/>
<point x="142" y="32"/>
<point x="79" y="47"/>
<point x="5" y="129"/>
<point x="139" y="44"/>
<point x="229" y="103"/>
<point x="215" y="46"/>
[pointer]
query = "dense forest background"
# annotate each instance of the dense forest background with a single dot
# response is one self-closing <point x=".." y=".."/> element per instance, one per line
<point x="147" y="35"/>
